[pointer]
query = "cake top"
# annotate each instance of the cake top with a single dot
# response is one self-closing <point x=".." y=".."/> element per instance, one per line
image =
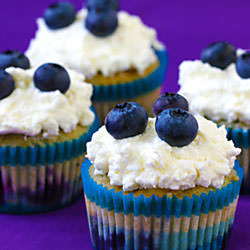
<point x="80" y="45"/>
<point x="43" y="100"/>
<point x="175" y="151"/>
<point x="218" y="89"/>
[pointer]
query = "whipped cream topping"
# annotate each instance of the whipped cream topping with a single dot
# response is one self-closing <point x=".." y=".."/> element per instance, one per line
<point x="215" y="93"/>
<point x="30" y="111"/>
<point x="145" y="161"/>
<point x="130" y="46"/>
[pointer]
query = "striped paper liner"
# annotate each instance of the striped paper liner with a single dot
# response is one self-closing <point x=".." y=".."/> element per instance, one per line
<point x="119" y="221"/>
<point x="42" y="178"/>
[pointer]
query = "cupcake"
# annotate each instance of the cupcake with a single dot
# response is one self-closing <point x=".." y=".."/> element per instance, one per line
<point x="116" y="52"/>
<point x="161" y="183"/>
<point x="218" y="87"/>
<point x="45" y="122"/>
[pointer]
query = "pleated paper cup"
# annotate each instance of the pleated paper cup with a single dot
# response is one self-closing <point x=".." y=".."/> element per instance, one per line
<point x="124" y="221"/>
<point x="42" y="178"/>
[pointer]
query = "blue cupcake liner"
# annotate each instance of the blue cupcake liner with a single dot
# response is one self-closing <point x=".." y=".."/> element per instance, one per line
<point x="105" y="237"/>
<point x="50" y="153"/>
<point x="119" y="221"/>
<point x="39" y="179"/>
<point x="240" y="136"/>
<point x="40" y="188"/>
<point x="117" y="201"/>
<point x="135" y="88"/>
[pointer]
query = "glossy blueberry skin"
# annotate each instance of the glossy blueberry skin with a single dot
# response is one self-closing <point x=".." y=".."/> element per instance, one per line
<point x="243" y="65"/>
<point x="169" y="100"/>
<point x="7" y="84"/>
<point x="102" y="5"/>
<point x="219" y="54"/>
<point x="51" y="77"/>
<point x="13" y="58"/>
<point x="176" y="126"/>
<point x="101" y="24"/>
<point x="59" y="15"/>
<point x="125" y="120"/>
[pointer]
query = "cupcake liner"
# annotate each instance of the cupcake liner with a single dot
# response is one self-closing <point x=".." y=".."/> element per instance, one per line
<point x="40" y="188"/>
<point x="38" y="179"/>
<point x="135" y="88"/>
<point x="158" y="232"/>
<point x="241" y="138"/>
<point x="119" y="221"/>
<point x="147" y="100"/>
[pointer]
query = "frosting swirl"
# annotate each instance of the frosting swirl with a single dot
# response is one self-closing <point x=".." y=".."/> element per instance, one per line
<point x="215" y="93"/>
<point x="145" y="161"/>
<point x="130" y="46"/>
<point x="30" y="111"/>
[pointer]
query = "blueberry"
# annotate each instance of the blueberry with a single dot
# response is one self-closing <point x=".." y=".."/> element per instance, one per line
<point x="59" y="15"/>
<point x="102" y="5"/>
<point x="101" y="24"/>
<point x="169" y="100"/>
<point x="243" y="65"/>
<point x="219" y="54"/>
<point x="7" y="84"/>
<point x="51" y="77"/>
<point x="126" y="120"/>
<point x="176" y="126"/>
<point x="13" y="58"/>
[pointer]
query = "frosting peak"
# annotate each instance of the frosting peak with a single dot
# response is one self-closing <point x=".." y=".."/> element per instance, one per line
<point x="30" y="111"/>
<point x="145" y="161"/>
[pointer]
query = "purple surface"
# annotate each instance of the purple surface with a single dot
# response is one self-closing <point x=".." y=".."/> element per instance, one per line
<point x="185" y="27"/>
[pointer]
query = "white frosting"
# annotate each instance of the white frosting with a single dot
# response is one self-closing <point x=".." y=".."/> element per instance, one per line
<point x="30" y="111"/>
<point x="215" y="93"/>
<point x="145" y="161"/>
<point x="75" y="47"/>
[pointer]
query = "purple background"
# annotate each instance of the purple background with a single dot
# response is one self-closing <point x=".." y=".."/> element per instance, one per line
<point x="185" y="27"/>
